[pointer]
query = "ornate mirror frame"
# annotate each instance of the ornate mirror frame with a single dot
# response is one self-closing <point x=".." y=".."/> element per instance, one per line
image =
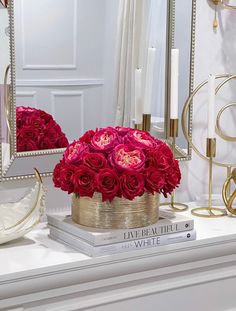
<point x="47" y="158"/>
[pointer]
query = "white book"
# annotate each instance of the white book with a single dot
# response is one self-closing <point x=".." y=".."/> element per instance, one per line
<point x="168" y="223"/>
<point x="90" y="250"/>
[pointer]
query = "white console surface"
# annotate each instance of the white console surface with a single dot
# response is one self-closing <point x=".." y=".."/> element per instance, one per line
<point x="38" y="262"/>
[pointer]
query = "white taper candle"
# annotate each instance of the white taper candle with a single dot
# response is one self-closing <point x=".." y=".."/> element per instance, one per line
<point x="149" y="80"/>
<point x="211" y="106"/>
<point x="174" y="92"/>
<point x="137" y="96"/>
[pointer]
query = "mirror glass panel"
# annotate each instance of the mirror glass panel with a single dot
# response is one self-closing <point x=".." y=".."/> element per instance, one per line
<point x="66" y="59"/>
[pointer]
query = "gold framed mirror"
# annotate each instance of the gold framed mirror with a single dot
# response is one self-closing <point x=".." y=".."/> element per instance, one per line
<point x="67" y="67"/>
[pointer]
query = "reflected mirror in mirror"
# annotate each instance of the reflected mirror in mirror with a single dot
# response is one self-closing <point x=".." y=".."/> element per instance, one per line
<point x="75" y="61"/>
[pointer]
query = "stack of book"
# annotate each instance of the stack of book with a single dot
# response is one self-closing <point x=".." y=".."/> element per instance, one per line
<point x="170" y="228"/>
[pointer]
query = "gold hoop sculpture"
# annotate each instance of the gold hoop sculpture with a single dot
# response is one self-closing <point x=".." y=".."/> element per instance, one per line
<point x="219" y="131"/>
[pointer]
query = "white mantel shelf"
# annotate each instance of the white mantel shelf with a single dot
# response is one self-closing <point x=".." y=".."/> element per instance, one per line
<point x="37" y="270"/>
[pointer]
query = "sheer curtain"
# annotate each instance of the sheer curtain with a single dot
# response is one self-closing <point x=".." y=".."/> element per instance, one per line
<point x="141" y="24"/>
<point x="131" y="42"/>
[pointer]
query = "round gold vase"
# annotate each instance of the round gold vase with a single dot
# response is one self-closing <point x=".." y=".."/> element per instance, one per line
<point x="120" y="213"/>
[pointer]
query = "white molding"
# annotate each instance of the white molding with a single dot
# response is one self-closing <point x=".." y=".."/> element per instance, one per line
<point x="72" y="66"/>
<point x="28" y="94"/>
<point x="59" y="82"/>
<point x="55" y="94"/>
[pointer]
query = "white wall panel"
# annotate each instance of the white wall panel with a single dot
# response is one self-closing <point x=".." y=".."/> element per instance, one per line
<point x="26" y="98"/>
<point x="68" y="111"/>
<point x="51" y="30"/>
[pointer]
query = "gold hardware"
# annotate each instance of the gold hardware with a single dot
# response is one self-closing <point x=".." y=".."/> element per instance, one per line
<point x="175" y="206"/>
<point x="7" y="102"/>
<point x="219" y="131"/>
<point x="210" y="211"/>
<point x="138" y="126"/>
<point x="146" y="122"/>
<point x="227" y="197"/>
<point x="211" y="148"/>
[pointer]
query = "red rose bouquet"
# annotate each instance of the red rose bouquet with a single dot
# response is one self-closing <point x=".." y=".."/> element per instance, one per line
<point x="37" y="130"/>
<point x="117" y="162"/>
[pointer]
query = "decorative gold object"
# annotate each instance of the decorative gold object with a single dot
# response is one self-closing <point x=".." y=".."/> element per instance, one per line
<point x="219" y="130"/>
<point x="18" y="218"/>
<point x="120" y="213"/>
<point x="187" y="108"/>
<point x="227" y="197"/>
<point x="146" y="126"/>
<point x="210" y="211"/>
<point x="224" y="4"/>
<point x="173" y="132"/>
<point x="138" y="126"/>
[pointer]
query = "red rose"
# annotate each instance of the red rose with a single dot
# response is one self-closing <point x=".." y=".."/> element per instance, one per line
<point x="56" y="174"/>
<point x="154" y="180"/>
<point x="108" y="184"/>
<point x="86" y="138"/>
<point x="84" y="181"/>
<point x="46" y="143"/>
<point x="95" y="161"/>
<point x="105" y="140"/>
<point x="67" y="171"/>
<point x="62" y="141"/>
<point x="161" y="157"/>
<point x="126" y="157"/>
<point x="74" y="152"/>
<point x="26" y="145"/>
<point x="131" y="184"/>
<point x="173" y="178"/>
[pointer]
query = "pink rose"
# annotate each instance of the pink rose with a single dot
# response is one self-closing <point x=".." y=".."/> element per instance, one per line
<point x="108" y="184"/>
<point x="126" y="157"/>
<point x="74" y="152"/>
<point x="122" y="131"/>
<point x="140" y="139"/>
<point x="131" y="184"/>
<point x="105" y="140"/>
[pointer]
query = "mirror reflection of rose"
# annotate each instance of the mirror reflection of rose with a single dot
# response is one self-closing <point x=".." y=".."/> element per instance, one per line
<point x="37" y="130"/>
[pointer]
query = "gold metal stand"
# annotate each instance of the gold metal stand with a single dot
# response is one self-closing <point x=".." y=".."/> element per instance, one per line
<point x="176" y="207"/>
<point x="210" y="211"/>
<point x="138" y="126"/>
<point x="146" y="122"/>
<point x="227" y="197"/>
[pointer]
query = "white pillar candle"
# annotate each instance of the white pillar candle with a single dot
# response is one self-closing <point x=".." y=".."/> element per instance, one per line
<point x="174" y="91"/>
<point x="211" y="107"/>
<point x="137" y="96"/>
<point x="149" y="80"/>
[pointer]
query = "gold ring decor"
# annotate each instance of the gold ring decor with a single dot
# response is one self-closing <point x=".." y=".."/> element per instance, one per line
<point x="187" y="106"/>
<point x="229" y="199"/>
<point x="214" y="212"/>
<point x="219" y="130"/>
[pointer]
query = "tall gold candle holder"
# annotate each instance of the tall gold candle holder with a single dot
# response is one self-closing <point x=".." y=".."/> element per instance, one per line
<point x="146" y="125"/>
<point x="173" y="133"/>
<point x="210" y="211"/>
<point x="138" y="126"/>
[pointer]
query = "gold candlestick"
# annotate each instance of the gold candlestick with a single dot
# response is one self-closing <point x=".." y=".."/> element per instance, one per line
<point x="146" y="122"/>
<point x="210" y="211"/>
<point x="138" y="126"/>
<point x="176" y="207"/>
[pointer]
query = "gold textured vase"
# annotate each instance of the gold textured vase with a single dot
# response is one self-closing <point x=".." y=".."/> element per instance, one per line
<point x="118" y="214"/>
